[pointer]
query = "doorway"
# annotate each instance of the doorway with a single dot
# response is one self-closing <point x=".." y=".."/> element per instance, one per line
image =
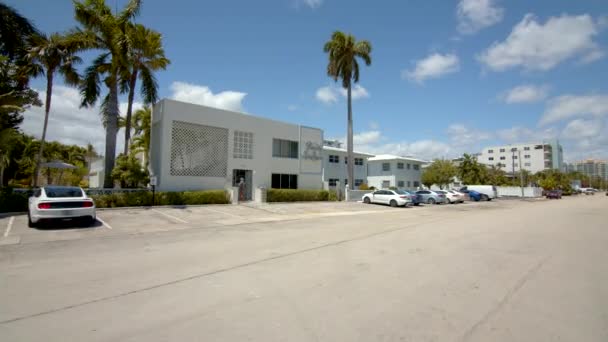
<point x="246" y="175"/>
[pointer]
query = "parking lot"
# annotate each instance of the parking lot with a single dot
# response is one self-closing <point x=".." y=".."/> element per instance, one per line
<point x="113" y="222"/>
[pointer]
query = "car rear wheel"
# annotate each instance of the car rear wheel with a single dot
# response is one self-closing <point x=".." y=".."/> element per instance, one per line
<point x="484" y="198"/>
<point x="393" y="203"/>
<point x="450" y="201"/>
<point x="29" y="221"/>
<point x="366" y="200"/>
<point x="431" y="201"/>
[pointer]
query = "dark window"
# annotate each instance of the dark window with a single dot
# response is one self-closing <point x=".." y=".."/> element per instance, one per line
<point x="416" y="184"/>
<point x="334" y="159"/>
<point x="514" y="149"/>
<point x="408" y="166"/>
<point x="527" y="156"/>
<point x="386" y="166"/>
<point x="284" y="148"/>
<point x="409" y="183"/>
<point x="416" y="167"/>
<point x="358" y="161"/>
<point x="284" y="181"/>
<point x="333" y="181"/>
<point x="502" y="150"/>
<point x="400" y="184"/>
<point x="62" y="192"/>
<point x="490" y="151"/>
<point x="358" y="181"/>
<point x="527" y="148"/>
<point x="400" y="166"/>
<point x="345" y="160"/>
<point x="514" y="157"/>
<point x="491" y="158"/>
<point x="502" y="158"/>
<point x="527" y="164"/>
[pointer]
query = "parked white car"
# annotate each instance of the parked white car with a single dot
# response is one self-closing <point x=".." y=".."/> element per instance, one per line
<point x="60" y="202"/>
<point x="393" y="198"/>
<point x="489" y="191"/>
<point x="452" y="196"/>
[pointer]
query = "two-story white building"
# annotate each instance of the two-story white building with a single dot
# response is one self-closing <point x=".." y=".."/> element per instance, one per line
<point x="196" y="147"/>
<point x="335" y="166"/>
<point x="384" y="171"/>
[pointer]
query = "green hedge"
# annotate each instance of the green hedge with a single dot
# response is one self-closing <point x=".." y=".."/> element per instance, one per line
<point x="291" y="195"/>
<point x="144" y="198"/>
<point x="11" y="201"/>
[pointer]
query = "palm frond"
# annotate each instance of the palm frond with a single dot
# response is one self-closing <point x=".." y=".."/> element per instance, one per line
<point x="149" y="86"/>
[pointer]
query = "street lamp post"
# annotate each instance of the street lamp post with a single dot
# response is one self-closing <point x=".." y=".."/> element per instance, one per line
<point x="521" y="175"/>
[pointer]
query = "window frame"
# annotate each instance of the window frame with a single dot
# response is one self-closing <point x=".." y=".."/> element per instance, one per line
<point x="283" y="148"/>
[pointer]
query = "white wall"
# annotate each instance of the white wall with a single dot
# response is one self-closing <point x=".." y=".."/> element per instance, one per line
<point x="536" y="160"/>
<point x="262" y="165"/>
<point x="340" y="170"/>
<point x="514" y="191"/>
<point x="376" y="175"/>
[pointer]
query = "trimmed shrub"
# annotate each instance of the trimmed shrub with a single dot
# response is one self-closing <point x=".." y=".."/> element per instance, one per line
<point x="299" y="195"/>
<point x="11" y="201"/>
<point x="144" y="198"/>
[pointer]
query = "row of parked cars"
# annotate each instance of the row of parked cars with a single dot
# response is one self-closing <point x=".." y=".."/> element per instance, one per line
<point x="404" y="198"/>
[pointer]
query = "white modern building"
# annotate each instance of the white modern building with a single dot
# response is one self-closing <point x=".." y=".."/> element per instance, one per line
<point x="533" y="157"/>
<point x="196" y="147"/>
<point x="384" y="171"/>
<point x="335" y="166"/>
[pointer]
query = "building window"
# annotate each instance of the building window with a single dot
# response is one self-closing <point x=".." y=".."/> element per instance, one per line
<point x="284" y="181"/>
<point x="334" y="159"/>
<point x="416" y="184"/>
<point x="243" y="145"/>
<point x="358" y="161"/>
<point x="416" y="167"/>
<point x="333" y="181"/>
<point x="502" y="150"/>
<point x="491" y="158"/>
<point x="409" y="183"/>
<point x="490" y="151"/>
<point x="400" y="166"/>
<point x="502" y="158"/>
<point x="515" y="165"/>
<point x="527" y="148"/>
<point x="400" y="184"/>
<point x="514" y="157"/>
<point x="345" y="160"/>
<point x="386" y="166"/>
<point x="527" y="156"/>
<point x="409" y="166"/>
<point x="284" y="148"/>
<point x="358" y="182"/>
<point x="386" y="184"/>
<point x="513" y="149"/>
<point x="527" y="164"/>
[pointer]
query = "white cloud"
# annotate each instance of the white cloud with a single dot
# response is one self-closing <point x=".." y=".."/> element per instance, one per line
<point x="433" y="66"/>
<point x="518" y="134"/>
<point x="462" y="136"/>
<point x="526" y="93"/>
<point x="474" y="15"/>
<point x="202" y="95"/>
<point x="536" y="46"/>
<point x="585" y="139"/>
<point x="292" y="108"/>
<point x="313" y="4"/>
<point x="570" y="106"/>
<point x="330" y="94"/>
<point x="70" y="124"/>
<point x="579" y="128"/>
<point x="366" y="138"/>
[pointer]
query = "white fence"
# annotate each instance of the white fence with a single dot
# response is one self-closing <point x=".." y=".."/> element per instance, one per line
<point x="356" y="195"/>
<point x="515" y="191"/>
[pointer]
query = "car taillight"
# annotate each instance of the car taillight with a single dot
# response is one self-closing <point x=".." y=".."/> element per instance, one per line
<point x="403" y="197"/>
<point x="441" y="195"/>
<point x="44" y="205"/>
<point x="87" y="204"/>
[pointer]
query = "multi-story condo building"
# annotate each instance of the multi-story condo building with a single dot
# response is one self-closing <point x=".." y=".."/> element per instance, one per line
<point x="535" y="157"/>
<point x="592" y="168"/>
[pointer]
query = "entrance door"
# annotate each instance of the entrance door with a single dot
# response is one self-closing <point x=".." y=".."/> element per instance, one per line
<point x="246" y="175"/>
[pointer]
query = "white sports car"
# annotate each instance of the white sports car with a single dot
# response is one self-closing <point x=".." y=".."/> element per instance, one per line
<point x="60" y="202"/>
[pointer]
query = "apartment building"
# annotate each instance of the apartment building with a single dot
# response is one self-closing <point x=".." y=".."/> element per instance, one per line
<point x="592" y="168"/>
<point x="533" y="157"/>
<point x="386" y="170"/>
<point x="335" y="165"/>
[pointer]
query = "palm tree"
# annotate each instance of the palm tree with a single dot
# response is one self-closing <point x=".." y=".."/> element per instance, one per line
<point x="14" y="32"/>
<point x="145" y="55"/>
<point x="343" y="51"/>
<point x="141" y="141"/>
<point x="104" y="30"/>
<point x="46" y="56"/>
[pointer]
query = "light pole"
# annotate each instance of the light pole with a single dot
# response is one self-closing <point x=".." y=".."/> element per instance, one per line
<point x="521" y="175"/>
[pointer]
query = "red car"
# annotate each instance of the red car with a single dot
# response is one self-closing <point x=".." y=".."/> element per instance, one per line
<point x="556" y="194"/>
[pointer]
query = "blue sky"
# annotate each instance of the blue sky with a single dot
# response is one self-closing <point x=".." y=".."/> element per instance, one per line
<point x="446" y="77"/>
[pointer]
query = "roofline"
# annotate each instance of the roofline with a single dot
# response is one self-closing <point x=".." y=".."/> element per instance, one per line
<point x="331" y="148"/>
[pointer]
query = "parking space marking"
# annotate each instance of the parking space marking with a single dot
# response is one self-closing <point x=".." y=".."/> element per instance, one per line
<point x="10" y="225"/>
<point x="221" y="212"/>
<point x="104" y="223"/>
<point x="170" y="216"/>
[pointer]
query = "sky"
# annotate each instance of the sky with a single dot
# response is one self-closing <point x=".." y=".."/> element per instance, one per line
<point x="447" y="76"/>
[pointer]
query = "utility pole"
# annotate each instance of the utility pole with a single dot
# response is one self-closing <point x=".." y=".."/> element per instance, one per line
<point x="521" y="175"/>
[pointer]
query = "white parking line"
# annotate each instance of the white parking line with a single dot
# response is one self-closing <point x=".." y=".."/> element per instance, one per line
<point x="228" y="214"/>
<point x="104" y="222"/>
<point x="170" y="216"/>
<point x="10" y="225"/>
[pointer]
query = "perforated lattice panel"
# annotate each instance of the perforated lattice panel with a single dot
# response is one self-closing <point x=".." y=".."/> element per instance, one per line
<point x="243" y="145"/>
<point x="198" y="150"/>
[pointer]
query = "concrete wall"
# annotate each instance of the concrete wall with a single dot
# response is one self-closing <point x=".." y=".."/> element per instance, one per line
<point x="515" y="191"/>
<point x="356" y="195"/>
<point x="307" y="166"/>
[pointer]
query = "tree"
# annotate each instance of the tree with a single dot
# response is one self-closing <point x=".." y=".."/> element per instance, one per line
<point x="14" y="32"/>
<point x="343" y="51"/>
<point x="145" y="55"/>
<point x="440" y="172"/>
<point x="47" y="56"/>
<point x="471" y="172"/>
<point x="496" y="176"/>
<point x="141" y="141"/>
<point x="129" y="172"/>
<point x="104" y="30"/>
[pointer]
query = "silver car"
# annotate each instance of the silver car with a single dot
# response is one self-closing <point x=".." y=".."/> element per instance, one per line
<point x="431" y="197"/>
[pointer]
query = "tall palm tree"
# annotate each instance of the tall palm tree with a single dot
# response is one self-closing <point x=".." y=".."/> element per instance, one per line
<point x="141" y="141"/>
<point x="145" y="55"/>
<point x="14" y="32"/>
<point x="103" y="30"/>
<point x="47" y="56"/>
<point x="343" y="51"/>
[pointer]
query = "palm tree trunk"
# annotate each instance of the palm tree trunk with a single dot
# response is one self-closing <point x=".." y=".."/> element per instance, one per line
<point x="349" y="143"/>
<point x="47" y="109"/>
<point x="132" y="83"/>
<point x="111" y="132"/>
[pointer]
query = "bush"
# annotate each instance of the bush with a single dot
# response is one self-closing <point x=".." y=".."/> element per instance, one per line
<point x="11" y="201"/>
<point x="144" y="198"/>
<point x="291" y="195"/>
<point x="363" y="186"/>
